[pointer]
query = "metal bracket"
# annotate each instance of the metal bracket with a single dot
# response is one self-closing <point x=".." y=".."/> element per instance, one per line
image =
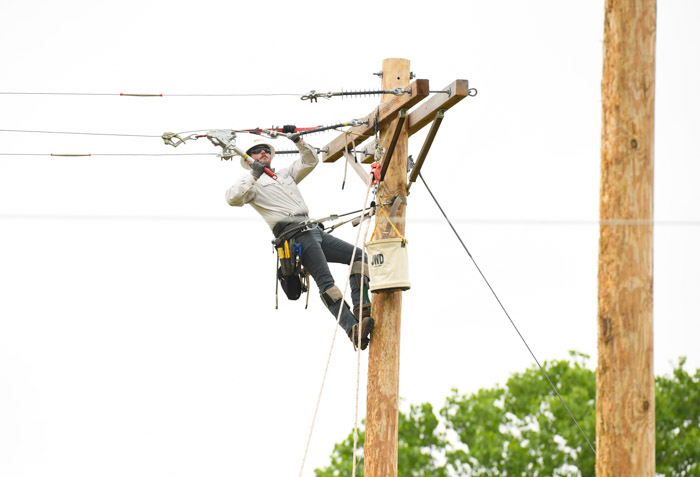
<point x="439" y="116"/>
<point x="410" y="163"/>
<point x="398" y="200"/>
<point x="224" y="138"/>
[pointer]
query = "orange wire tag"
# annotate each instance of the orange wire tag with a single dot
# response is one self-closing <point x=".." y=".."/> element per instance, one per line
<point x="376" y="173"/>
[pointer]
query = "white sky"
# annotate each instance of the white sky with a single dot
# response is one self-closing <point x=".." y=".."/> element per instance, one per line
<point x="138" y="333"/>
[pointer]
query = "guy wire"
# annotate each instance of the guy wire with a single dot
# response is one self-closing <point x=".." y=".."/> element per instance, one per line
<point x="506" y="313"/>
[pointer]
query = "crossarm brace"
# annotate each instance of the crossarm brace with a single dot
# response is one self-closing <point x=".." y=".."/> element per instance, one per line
<point x="364" y="175"/>
<point x="394" y="139"/>
<point x="426" y="147"/>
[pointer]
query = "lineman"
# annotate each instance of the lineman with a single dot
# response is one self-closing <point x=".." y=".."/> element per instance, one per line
<point x="282" y="206"/>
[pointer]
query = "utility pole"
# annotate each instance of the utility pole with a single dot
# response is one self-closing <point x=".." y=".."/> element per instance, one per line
<point x="396" y="125"/>
<point x="625" y="376"/>
<point x="382" y="427"/>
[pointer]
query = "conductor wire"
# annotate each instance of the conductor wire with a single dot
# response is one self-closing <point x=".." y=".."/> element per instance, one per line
<point x="214" y="95"/>
<point x="78" y="133"/>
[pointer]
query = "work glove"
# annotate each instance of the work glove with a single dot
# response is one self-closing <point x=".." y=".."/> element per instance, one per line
<point x="290" y="129"/>
<point x="258" y="168"/>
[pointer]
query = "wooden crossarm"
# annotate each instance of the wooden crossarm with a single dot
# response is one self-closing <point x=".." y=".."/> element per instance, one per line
<point x="426" y="112"/>
<point x="385" y="113"/>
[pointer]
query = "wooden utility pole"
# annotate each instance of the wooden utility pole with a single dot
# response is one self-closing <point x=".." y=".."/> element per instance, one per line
<point x="395" y="124"/>
<point x="382" y="428"/>
<point x="625" y="375"/>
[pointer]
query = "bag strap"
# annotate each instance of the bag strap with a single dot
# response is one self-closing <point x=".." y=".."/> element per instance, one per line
<point x="376" y="224"/>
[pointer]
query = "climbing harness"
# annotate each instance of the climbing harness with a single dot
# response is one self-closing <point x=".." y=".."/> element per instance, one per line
<point x="289" y="271"/>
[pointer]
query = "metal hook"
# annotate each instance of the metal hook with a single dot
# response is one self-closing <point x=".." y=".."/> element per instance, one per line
<point x="358" y="122"/>
<point x="168" y="138"/>
<point x="313" y="96"/>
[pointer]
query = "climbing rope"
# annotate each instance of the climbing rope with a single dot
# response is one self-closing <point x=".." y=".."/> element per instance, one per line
<point x="357" y="387"/>
<point x="335" y="333"/>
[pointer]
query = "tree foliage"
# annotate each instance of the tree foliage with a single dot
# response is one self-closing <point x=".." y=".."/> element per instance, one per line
<point x="420" y="446"/>
<point x="678" y="423"/>
<point x="522" y="428"/>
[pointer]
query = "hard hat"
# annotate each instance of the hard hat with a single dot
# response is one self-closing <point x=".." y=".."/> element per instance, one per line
<point x="249" y="141"/>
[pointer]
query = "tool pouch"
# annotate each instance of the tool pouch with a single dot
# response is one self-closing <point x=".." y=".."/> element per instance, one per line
<point x="289" y="273"/>
<point x="294" y="285"/>
<point x="289" y="255"/>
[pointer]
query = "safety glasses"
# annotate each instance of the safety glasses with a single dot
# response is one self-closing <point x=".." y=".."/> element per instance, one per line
<point x="258" y="150"/>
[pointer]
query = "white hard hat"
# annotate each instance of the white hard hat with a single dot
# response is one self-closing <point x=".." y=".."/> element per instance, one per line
<point x="249" y="141"/>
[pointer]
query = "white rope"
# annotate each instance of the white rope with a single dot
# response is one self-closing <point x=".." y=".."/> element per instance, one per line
<point x="335" y="332"/>
<point x="357" y="389"/>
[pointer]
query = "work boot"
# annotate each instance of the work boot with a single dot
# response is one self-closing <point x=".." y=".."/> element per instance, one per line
<point x="367" y="327"/>
<point x="366" y="310"/>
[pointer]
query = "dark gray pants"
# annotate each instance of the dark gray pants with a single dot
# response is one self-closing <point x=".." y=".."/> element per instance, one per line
<point x="318" y="249"/>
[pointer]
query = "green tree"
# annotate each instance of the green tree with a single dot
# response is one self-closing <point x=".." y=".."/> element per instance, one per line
<point x="421" y="446"/>
<point x="678" y="423"/>
<point x="522" y="429"/>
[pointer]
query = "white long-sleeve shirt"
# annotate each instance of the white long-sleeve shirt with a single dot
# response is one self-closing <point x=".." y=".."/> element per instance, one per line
<point x="275" y="200"/>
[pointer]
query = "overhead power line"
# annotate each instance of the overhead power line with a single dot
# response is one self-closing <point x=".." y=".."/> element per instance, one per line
<point x="419" y="220"/>
<point x="301" y="131"/>
<point x="124" y="154"/>
<point x="79" y="133"/>
<point x="143" y="95"/>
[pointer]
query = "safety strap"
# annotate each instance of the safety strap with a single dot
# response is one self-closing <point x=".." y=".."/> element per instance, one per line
<point x="308" y="287"/>
<point x="288" y="229"/>
<point x="376" y="224"/>
<point x="277" y="284"/>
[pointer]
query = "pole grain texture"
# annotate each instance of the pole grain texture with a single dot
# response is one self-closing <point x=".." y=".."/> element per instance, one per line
<point x="625" y="374"/>
<point x="382" y="427"/>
